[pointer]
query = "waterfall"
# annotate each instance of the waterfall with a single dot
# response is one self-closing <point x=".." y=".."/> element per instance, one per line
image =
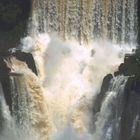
<point x="107" y="124"/>
<point x="5" y="118"/>
<point x="86" y="20"/>
<point x="75" y="43"/>
<point x="20" y="103"/>
<point x="29" y="109"/>
<point x="108" y="119"/>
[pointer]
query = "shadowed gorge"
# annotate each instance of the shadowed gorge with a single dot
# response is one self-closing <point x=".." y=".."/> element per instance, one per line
<point x="14" y="16"/>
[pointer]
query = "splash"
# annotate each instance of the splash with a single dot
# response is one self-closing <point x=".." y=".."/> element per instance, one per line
<point x="72" y="76"/>
<point x="70" y="134"/>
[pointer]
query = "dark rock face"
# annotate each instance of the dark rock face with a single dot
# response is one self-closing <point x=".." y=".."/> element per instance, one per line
<point x="138" y="39"/>
<point x="4" y="70"/>
<point x="26" y="57"/>
<point x="131" y="65"/>
<point x="131" y="101"/>
<point x="130" y="122"/>
<point x="12" y="12"/>
<point x="14" y="16"/>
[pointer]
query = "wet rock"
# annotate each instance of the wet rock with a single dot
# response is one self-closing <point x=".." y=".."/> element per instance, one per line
<point x="130" y="121"/>
<point x="131" y="65"/>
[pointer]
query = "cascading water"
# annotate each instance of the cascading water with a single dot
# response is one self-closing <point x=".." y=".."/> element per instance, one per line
<point x="108" y="120"/>
<point x="85" y="20"/>
<point x="29" y="110"/>
<point x="57" y="104"/>
<point x="20" y="102"/>
<point x="5" y="119"/>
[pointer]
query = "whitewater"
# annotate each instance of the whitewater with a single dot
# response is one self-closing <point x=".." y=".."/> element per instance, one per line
<point x="59" y="101"/>
<point x="57" y="104"/>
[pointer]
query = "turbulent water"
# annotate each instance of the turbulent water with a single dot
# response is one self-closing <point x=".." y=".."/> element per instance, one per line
<point x="75" y="44"/>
